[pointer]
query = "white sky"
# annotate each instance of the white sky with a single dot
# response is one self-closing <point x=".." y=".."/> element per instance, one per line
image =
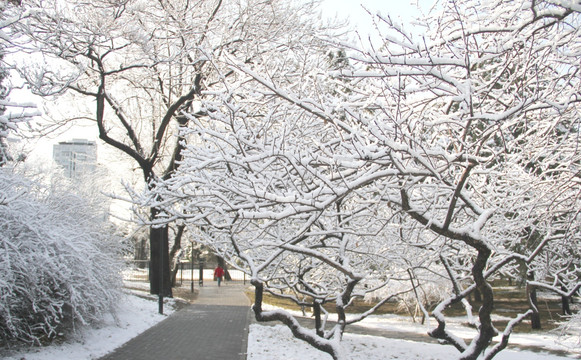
<point x="401" y="10"/>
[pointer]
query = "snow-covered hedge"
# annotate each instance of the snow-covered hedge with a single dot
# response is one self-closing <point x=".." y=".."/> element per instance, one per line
<point x="59" y="260"/>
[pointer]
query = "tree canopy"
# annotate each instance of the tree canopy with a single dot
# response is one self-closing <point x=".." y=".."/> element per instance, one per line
<point x="331" y="173"/>
<point x="333" y="170"/>
<point x="142" y="64"/>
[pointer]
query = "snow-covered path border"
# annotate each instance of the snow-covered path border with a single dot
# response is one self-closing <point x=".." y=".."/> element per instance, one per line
<point x="135" y="315"/>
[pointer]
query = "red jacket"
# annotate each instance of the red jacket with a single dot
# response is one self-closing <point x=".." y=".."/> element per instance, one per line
<point x="219" y="272"/>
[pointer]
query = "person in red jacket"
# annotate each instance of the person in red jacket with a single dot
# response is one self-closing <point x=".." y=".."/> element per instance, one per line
<point x="218" y="273"/>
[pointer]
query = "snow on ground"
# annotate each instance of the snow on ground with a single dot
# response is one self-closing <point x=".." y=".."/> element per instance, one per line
<point x="458" y="326"/>
<point x="374" y="347"/>
<point x="359" y="347"/>
<point x="135" y="315"/>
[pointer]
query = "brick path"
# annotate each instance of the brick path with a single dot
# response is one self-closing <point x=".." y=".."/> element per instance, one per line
<point x="214" y="327"/>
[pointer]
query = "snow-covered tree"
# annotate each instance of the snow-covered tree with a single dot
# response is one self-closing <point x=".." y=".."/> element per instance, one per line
<point x="11" y="113"/>
<point x="143" y="63"/>
<point x="456" y="150"/>
<point x="259" y="183"/>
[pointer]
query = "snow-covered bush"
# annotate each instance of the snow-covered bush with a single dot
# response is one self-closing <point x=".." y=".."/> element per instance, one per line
<point x="570" y="330"/>
<point x="59" y="260"/>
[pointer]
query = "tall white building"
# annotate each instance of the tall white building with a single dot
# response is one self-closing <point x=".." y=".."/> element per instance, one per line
<point x="78" y="157"/>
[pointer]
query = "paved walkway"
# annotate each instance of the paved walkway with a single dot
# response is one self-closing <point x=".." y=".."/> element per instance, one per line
<point x="214" y="327"/>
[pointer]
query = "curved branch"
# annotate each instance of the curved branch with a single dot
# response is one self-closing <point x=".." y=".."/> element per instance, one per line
<point x="130" y="132"/>
<point x="171" y="112"/>
<point x="298" y="331"/>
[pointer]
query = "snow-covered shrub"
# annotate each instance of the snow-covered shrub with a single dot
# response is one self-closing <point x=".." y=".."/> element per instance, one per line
<point x="570" y="330"/>
<point x="59" y="260"/>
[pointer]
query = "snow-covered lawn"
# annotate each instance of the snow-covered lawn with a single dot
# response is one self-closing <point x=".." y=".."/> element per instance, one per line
<point x="137" y="314"/>
<point x="367" y="347"/>
<point x="360" y="347"/>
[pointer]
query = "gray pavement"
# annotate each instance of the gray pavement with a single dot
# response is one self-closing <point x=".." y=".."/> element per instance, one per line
<point x="214" y="327"/>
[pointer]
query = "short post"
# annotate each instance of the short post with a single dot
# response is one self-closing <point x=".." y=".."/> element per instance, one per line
<point x="160" y="295"/>
<point x="181" y="273"/>
<point x="192" y="267"/>
<point x="201" y="273"/>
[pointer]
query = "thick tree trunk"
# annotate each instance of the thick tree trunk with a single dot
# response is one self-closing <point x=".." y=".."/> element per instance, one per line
<point x="477" y="296"/>
<point x="317" y="314"/>
<point x="487" y="330"/>
<point x="174" y="274"/>
<point x="159" y="265"/>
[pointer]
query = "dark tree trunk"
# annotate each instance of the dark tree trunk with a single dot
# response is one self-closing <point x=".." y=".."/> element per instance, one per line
<point x="159" y="266"/>
<point x="535" y="316"/>
<point x="174" y="274"/>
<point x="477" y="295"/>
<point x="317" y="314"/>
<point x="487" y="330"/>
<point x="565" y="303"/>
